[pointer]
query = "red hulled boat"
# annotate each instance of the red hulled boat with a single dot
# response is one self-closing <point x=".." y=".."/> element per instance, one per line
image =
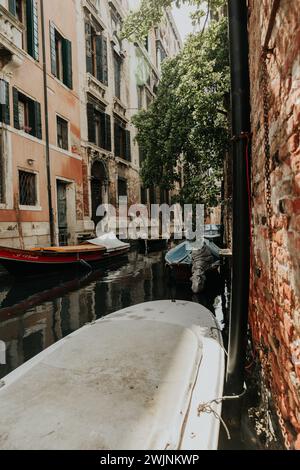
<point x="49" y="259"/>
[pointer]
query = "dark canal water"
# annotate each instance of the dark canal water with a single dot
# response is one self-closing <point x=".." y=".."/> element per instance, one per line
<point x="35" y="313"/>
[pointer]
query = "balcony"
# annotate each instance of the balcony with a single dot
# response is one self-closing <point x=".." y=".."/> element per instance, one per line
<point x="11" y="38"/>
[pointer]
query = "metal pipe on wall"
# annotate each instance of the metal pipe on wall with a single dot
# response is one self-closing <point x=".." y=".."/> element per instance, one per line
<point x="241" y="127"/>
<point x="48" y="163"/>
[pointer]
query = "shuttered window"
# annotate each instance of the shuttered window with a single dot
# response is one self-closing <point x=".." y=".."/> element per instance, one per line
<point x="26" y="11"/>
<point x="99" y="126"/>
<point x="32" y="29"/>
<point x="101" y="59"/>
<point x="96" y="54"/>
<point x="27" y="114"/>
<point x="61" y="57"/>
<point x="122" y="140"/>
<point x="89" y="48"/>
<point x="4" y="102"/>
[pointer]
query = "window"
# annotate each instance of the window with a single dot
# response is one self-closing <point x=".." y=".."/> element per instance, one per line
<point x="61" y="57"/>
<point x="122" y="140"/>
<point x="4" y="102"/>
<point x="122" y="187"/>
<point x="160" y="54"/>
<point x="27" y="114"/>
<point x="27" y="188"/>
<point x="26" y="11"/>
<point x="99" y="125"/>
<point x="62" y="133"/>
<point x="116" y="24"/>
<point x="117" y="71"/>
<point x="96" y="54"/>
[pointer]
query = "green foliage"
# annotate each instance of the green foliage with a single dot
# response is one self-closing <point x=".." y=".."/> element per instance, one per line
<point x="188" y="121"/>
<point x="151" y="12"/>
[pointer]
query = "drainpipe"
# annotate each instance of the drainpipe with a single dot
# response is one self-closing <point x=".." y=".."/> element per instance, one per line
<point x="48" y="164"/>
<point x="241" y="127"/>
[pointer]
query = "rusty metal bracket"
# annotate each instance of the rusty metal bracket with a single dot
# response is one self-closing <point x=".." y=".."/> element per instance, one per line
<point x="274" y="11"/>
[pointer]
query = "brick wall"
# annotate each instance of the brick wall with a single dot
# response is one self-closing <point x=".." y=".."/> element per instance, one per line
<point x="275" y="321"/>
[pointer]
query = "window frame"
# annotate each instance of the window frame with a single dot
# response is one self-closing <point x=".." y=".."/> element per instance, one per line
<point x="63" y="121"/>
<point x="61" y="56"/>
<point x="33" y="115"/>
<point x="29" y="207"/>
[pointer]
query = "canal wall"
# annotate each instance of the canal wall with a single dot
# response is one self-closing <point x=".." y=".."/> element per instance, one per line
<point x="275" y="276"/>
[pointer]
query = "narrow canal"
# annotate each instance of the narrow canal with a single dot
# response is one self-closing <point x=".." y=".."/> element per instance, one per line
<point x="35" y="313"/>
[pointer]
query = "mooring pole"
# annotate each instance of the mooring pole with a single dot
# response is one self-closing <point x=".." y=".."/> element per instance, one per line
<point x="241" y="128"/>
<point x="47" y="139"/>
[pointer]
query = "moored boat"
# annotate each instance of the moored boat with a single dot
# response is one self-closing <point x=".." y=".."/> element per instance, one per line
<point x="48" y="259"/>
<point x="180" y="260"/>
<point x="149" y="377"/>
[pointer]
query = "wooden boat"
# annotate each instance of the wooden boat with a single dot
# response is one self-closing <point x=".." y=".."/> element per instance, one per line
<point x="139" y="379"/>
<point x="49" y="259"/>
<point x="180" y="260"/>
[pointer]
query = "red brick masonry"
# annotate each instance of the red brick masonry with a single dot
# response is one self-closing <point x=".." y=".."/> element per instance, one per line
<point x="276" y="325"/>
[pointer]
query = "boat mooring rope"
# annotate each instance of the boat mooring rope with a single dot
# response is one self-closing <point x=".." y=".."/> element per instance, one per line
<point x="208" y="408"/>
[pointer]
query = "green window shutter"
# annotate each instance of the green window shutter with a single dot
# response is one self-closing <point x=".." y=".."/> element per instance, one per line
<point x="67" y="63"/>
<point x="35" y="119"/>
<point x="32" y="120"/>
<point x="91" y="123"/>
<point x="102" y="65"/>
<point x="117" y="140"/>
<point x="35" y="32"/>
<point x="5" y="107"/>
<point x="107" y="132"/>
<point x="102" y="131"/>
<point x="99" y="49"/>
<point x="53" y="50"/>
<point x="104" y="62"/>
<point x="127" y="146"/>
<point x="32" y="29"/>
<point x="16" y="108"/>
<point x="38" y="120"/>
<point x="88" y="42"/>
<point x="12" y="7"/>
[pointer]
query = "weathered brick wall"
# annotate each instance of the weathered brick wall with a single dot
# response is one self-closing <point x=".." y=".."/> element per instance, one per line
<point x="275" y="320"/>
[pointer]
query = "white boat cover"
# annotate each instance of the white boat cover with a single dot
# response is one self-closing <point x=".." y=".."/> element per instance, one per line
<point x="110" y="242"/>
<point x="132" y="380"/>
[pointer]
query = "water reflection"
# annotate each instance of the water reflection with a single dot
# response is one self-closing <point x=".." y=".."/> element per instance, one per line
<point x="36" y="313"/>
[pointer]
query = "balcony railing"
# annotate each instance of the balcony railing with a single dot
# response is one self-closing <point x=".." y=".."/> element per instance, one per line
<point x="11" y="38"/>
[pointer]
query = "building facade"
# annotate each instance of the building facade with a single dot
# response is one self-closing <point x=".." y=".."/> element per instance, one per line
<point x="69" y="87"/>
<point x="25" y="188"/>
<point x="118" y="80"/>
